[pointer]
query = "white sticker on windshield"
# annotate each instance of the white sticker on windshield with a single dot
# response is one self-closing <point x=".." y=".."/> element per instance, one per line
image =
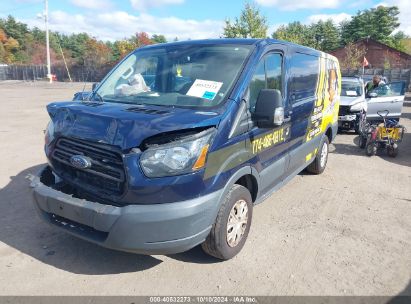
<point x="351" y="93"/>
<point x="204" y="89"/>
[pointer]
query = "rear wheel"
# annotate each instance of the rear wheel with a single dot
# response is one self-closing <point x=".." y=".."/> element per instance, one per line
<point x="392" y="150"/>
<point x="357" y="126"/>
<point x="230" y="230"/>
<point x="371" y="149"/>
<point x="362" y="141"/>
<point x="360" y="124"/>
<point x="320" y="161"/>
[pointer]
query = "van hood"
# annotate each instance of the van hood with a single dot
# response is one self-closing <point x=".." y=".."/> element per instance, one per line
<point x="123" y="125"/>
<point x="349" y="101"/>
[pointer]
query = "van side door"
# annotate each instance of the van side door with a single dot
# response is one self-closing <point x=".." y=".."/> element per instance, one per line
<point x="302" y="89"/>
<point x="268" y="145"/>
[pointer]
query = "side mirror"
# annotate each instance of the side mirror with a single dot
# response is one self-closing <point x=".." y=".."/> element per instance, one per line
<point x="81" y="96"/>
<point x="94" y="86"/>
<point x="269" y="111"/>
<point x="372" y="95"/>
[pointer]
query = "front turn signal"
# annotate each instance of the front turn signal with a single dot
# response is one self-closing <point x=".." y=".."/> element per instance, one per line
<point x="201" y="160"/>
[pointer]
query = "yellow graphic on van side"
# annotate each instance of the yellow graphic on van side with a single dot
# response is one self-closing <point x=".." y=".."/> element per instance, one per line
<point x="269" y="140"/>
<point x="325" y="111"/>
<point x="309" y="156"/>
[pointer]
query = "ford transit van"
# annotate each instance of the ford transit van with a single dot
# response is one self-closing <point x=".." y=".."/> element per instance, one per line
<point x="180" y="141"/>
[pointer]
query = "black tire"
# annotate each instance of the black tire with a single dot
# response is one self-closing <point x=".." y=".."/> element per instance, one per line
<point x="392" y="150"/>
<point x="362" y="141"/>
<point x="216" y="243"/>
<point x="357" y="127"/>
<point x="371" y="149"/>
<point x="316" y="167"/>
<point x="360" y="123"/>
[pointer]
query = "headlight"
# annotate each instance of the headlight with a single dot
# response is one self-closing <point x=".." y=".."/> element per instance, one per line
<point x="49" y="133"/>
<point x="357" y="107"/>
<point x="179" y="157"/>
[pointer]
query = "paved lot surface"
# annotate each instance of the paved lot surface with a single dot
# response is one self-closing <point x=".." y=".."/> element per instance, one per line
<point x="346" y="232"/>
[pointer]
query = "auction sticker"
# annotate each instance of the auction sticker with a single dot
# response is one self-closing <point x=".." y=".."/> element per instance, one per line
<point x="351" y="93"/>
<point x="204" y="89"/>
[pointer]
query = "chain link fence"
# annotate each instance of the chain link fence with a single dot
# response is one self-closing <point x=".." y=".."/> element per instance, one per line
<point x="391" y="74"/>
<point x="78" y="73"/>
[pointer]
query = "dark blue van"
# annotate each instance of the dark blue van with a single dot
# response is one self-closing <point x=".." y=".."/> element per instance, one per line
<point x="175" y="146"/>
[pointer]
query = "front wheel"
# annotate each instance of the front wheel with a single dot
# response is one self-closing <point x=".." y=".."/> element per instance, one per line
<point x="362" y="141"/>
<point x="371" y="149"/>
<point x="230" y="230"/>
<point x="361" y="122"/>
<point x="392" y="150"/>
<point x="320" y="161"/>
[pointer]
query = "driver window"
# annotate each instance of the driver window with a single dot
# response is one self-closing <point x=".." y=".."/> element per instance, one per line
<point x="383" y="90"/>
<point x="268" y="75"/>
<point x="388" y="90"/>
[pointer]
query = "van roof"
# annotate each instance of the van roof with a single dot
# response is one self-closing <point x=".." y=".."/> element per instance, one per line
<point x="244" y="41"/>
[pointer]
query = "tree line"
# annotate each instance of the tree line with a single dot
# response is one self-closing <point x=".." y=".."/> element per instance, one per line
<point x="20" y="44"/>
<point x="380" y="23"/>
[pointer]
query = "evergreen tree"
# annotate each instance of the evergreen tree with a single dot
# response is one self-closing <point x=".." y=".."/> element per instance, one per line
<point x="251" y="24"/>
<point x="375" y="23"/>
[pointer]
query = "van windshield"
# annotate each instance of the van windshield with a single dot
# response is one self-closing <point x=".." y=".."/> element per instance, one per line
<point x="194" y="76"/>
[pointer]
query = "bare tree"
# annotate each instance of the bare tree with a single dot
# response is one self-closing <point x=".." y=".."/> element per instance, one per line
<point x="391" y="60"/>
<point x="354" y="56"/>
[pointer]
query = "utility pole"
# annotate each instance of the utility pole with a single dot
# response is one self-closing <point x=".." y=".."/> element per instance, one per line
<point x="46" y="20"/>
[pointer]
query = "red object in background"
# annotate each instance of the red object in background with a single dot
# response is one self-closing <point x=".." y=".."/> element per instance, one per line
<point x="53" y="77"/>
<point x="374" y="133"/>
<point x="365" y="62"/>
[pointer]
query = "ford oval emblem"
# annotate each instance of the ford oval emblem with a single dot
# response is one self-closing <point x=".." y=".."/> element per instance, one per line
<point x="80" y="161"/>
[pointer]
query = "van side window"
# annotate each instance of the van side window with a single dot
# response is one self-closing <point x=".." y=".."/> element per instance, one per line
<point x="268" y="75"/>
<point x="304" y="75"/>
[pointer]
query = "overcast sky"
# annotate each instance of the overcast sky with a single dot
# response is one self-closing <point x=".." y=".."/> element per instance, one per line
<point x="195" y="19"/>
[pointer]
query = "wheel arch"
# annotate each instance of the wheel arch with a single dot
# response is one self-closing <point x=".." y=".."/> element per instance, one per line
<point x="247" y="177"/>
<point x="331" y="131"/>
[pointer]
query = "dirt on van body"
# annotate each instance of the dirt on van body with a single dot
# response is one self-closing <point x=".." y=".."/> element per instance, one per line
<point x="345" y="232"/>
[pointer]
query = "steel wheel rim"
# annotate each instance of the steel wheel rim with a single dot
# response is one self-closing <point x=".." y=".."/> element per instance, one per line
<point x="237" y="223"/>
<point x="324" y="152"/>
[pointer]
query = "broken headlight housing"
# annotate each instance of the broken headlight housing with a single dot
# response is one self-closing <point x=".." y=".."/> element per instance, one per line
<point x="181" y="156"/>
<point x="49" y="133"/>
<point x="357" y="107"/>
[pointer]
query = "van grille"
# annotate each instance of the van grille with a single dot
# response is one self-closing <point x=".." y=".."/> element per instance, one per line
<point x="106" y="174"/>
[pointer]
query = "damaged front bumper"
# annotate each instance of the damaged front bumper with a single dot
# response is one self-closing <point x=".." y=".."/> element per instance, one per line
<point x="146" y="229"/>
<point x="347" y="121"/>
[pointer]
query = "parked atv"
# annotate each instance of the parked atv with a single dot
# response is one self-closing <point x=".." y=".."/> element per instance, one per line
<point x="385" y="135"/>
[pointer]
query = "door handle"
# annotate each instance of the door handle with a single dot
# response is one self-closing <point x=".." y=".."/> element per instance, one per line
<point x="288" y="117"/>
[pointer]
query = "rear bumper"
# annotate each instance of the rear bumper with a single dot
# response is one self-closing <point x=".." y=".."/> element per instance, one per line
<point x="146" y="229"/>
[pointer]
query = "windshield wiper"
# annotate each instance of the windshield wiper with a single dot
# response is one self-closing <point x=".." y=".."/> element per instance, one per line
<point x="95" y="94"/>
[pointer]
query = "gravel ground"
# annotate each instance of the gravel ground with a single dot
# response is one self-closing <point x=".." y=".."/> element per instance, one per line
<point x="345" y="232"/>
